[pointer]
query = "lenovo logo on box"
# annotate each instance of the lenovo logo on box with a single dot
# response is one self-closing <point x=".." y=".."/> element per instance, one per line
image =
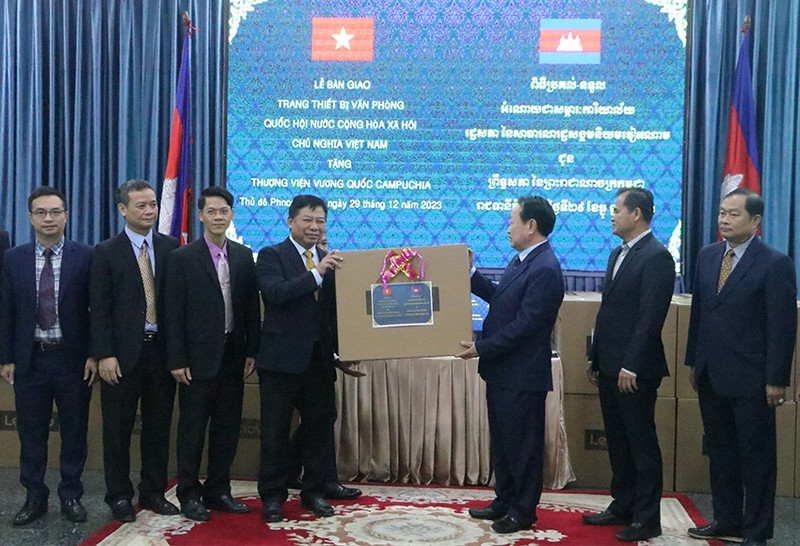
<point x="595" y="440"/>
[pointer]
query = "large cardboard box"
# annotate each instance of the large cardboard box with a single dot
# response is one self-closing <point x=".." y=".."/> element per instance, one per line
<point x="587" y="440"/>
<point x="691" y="466"/>
<point x="245" y="465"/>
<point x="683" y="382"/>
<point x="446" y="267"/>
<point x="797" y="453"/>
<point x="573" y="332"/>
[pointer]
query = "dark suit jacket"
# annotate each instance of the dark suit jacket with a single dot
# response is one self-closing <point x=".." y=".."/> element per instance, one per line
<point x="117" y="296"/>
<point x="293" y="318"/>
<point x="515" y="349"/>
<point x="18" y="317"/>
<point x="194" y="315"/>
<point x="627" y="332"/>
<point x="744" y="336"/>
<point x="5" y="244"/>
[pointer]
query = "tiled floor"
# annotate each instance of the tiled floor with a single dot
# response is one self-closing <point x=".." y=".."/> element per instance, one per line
<point x="54" y="530"/>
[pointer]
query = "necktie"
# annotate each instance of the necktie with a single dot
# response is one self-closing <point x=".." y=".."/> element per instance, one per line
<point x="224" y="276"/>
<point x="149" y="283"/>
<point x="624" y="252"/>
<point x="725" y="270"/>
<point x="309" y="266"/>
<point x="46" y="313"/>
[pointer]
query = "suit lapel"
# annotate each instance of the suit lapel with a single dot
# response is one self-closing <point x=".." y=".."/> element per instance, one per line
<point x="67" y="269"/>
<point x="744" y="263"/>
<point x="630" y="258"/>
<point x="523" y="266"/>
<point x="29" y="275"/>
<point x="610" y="269"/>
<point x="294" y="258"/>
<point x="204" y="255"/>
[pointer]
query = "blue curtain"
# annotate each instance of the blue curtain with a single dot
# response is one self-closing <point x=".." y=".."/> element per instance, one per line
<point x="775" y="55"/>
<point x="87" y="89"/>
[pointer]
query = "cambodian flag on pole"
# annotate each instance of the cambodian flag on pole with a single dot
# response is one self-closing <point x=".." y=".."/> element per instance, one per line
<point x="741" y="159"/>
<point x="176" y="194"/>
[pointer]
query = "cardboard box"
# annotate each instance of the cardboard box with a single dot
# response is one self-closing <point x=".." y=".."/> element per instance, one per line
<point x="797" y="453"/>
<point x="683" y="382"/>
<point x="691" y="466"/>
<point x="576" y="320"/>
<point x="248" y="454"/>
<point x="587" y="440"/>
<point x="446" y="267"/>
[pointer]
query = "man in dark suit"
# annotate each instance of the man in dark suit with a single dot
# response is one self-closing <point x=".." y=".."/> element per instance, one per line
<point x="44" y="352"/>
<point x="127" y="307"/>
<point x="514" y="360"/>
<point x="5" y="244"/>
<point x="740" y="348"/>
<point x="296" y="360"/>
<point x="628" y="363"/>
<point x="212" y="322"/>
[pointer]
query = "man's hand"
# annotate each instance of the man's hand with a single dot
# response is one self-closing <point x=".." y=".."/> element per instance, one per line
<point x="347" y="368"/>
<point x="109" y="370"/>
<point x="182" y="375"/>
<point x="90" y="371"/>
<point x="7" y="371"/>
<point x="592" y="375"/>
<point x="332" y="260"/>
<point x="626" y="382"/>
<point x="471" y="351"/>
<point x="775" y="396"/>
<point x="249" y="366"/>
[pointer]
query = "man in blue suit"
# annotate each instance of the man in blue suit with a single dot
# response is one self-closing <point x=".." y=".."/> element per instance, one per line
<point x="44" y="352"/>
<point x="5" y="244"/>
<point x="514" y="360"/>
<point x="740" y="348"/>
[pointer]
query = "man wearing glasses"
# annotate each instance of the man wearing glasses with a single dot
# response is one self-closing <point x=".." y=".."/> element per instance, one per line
<point x="44" y="352"/>
<point x="212" y="324"/>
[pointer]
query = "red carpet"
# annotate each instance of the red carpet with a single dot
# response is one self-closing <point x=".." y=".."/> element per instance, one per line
<point x="395" y="515"/>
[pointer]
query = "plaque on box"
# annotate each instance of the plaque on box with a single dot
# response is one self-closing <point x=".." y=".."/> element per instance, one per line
<point x="403" y="303"/>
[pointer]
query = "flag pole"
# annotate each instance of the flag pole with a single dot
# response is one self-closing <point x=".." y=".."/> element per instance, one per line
<point x="745" y="25"/>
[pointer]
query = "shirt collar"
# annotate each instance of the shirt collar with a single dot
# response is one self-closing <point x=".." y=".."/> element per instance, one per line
<point x="302" y="250"/>
<point x="739" y="250"/>
<point x="137" y="238"/>
<point x="56" y="248"/>
<point x="524" y="254"/>
<point x="638" y="238"/>
<point x="214" y="249"/>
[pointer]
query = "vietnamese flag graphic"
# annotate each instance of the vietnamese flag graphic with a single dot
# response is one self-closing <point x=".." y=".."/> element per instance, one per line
<point x="342" y="39"/>
<point x="569" y="41"/>
<point x="741" y="157"/>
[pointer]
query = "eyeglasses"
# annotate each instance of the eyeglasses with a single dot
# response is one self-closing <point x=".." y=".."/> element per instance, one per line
<point x="41" y="214"/>
<point x="214" y="212"/>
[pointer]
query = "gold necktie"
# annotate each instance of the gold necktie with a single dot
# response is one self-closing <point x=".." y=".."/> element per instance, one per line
<point x="309" y="260"/>
<point x="149" y="283"/>
<point x="725" y="270"/>
<point x="309" y="266"/>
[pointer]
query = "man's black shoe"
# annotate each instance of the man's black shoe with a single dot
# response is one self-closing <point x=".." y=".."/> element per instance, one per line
<point x="272" y="511"/>
<point x="606" y="517"/>
<point x="122" y="510"/>
<point x="638" y="531"/>
<point x="318" y="505"/>
<point x="226" y="503"/>
<point x="487" y="512"/>
<point x="716" y="531"/>
<point x="30" y="512"/>
<point x="73" y="510"/>
<point x="336" y="491"/>
<point x="158" y="504"/>
<point x="194" y="509"/>
<point x="510" y="524"/>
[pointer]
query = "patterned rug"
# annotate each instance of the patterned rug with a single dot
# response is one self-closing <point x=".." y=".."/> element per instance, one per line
<point x="397" y="515"/>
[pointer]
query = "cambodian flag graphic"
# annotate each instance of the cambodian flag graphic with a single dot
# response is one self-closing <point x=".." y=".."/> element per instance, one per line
<point x="569" y="41"/>
<point x="741" y="158"/>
